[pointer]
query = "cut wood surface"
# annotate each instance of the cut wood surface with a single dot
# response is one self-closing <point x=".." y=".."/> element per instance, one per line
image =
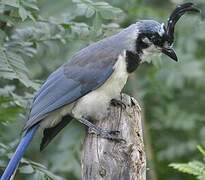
<point x="104" y="159"/>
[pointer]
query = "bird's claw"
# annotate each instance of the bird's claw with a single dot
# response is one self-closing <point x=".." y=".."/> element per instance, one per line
<point x="107" y="134"/>
<point x="117" y="102"/>
<point x="112" y="135"/>
<point x="116" y="132"/>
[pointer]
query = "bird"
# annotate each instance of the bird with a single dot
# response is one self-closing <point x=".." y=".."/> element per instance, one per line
<point x="94" y="77"/>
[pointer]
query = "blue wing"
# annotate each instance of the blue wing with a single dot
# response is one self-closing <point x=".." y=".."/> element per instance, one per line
<point x="86" y="71"/>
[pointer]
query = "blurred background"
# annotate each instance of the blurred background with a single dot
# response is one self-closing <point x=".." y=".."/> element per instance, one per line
<point x="37" y="36"/>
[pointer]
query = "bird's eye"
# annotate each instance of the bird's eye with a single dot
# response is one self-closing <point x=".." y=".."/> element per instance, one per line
<point x="157" y="41"/>
<point x="144" y="43"/>
<point x="146" y="40"/>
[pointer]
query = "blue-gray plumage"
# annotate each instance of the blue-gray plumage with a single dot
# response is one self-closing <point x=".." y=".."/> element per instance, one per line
<point x="86" y="71"/>
<point x="84" y="87"/>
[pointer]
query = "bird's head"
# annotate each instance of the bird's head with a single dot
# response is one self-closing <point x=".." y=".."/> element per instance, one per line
<point x="154" y="37"/>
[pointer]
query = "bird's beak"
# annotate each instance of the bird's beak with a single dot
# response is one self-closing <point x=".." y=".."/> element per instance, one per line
<point x="169" y="52"/>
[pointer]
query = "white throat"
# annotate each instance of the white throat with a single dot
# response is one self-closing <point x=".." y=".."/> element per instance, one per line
<point x="149" y="52"/>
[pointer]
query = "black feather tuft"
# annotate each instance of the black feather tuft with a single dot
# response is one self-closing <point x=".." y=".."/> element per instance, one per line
<point x="175" y="16"/>
<point x="133" y="61"/>
<point x="50" y="133"/>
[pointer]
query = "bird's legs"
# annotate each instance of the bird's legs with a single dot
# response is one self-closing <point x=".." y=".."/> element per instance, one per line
<point x="93" y="129"/>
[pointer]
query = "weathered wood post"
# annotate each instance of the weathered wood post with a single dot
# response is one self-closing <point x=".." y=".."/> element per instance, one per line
<point x="107" y="160"/>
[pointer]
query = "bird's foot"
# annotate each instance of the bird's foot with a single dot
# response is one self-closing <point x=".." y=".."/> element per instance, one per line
<point x="117" y="102"/>
<point x="107" y="134"/>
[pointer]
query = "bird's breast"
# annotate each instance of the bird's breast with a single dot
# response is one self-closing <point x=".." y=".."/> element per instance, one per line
<point x="95" y="103"/>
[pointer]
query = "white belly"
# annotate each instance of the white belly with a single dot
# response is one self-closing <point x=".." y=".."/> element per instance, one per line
<point x="95" y="103"/>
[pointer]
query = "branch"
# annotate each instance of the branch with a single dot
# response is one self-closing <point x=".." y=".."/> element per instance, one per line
<point x="107" y="160"/>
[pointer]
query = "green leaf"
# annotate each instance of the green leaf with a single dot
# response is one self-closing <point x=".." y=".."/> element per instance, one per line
<point x="30" y="5"/>
<point x="8" y="111"/>
<point x="2" y="8"/>
<point x="106" y="10"/>
<point x="97" y="24"/>
<point x="9" y="19"/>
<point x="13" y="3"/>
<point x="6" y="90"/>
<point x="23" y="13"/>
<point x="12" y="67"/>
<point x="28" y="169"/>
<point x="201" y="150"/>
<point x="85" y="9"/>
<point x="195" y="168"/>
<point x="2" y="36"/>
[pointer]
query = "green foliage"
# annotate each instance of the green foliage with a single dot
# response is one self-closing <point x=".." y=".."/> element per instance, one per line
<point x="88" y="9"/>
<point x="13" y="67"/>
<point x="18" y="9"/>
<point x="196" y="168"/>
<point x="30" y="168"/>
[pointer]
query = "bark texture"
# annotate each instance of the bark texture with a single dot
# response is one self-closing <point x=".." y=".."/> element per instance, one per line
<point x="108" y="160"/>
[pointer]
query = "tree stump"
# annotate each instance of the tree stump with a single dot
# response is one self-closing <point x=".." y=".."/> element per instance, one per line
<point x="108" y="160"/>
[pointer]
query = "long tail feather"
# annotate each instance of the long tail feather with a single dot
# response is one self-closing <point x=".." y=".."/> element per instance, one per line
<point x="14" y="161"/>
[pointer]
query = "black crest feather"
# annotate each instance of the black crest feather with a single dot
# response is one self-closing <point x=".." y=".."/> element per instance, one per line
<point x="175" y="16"/>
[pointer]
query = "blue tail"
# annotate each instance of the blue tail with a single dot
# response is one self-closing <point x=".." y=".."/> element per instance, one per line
<point x="14" y="161"/>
